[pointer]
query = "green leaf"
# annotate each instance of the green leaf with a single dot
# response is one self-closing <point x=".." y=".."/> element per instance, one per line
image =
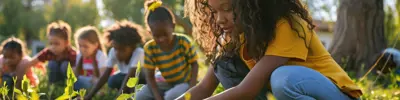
<point x="15" y="79"/>
<point x="138" y="69"/>
<point x="125" y="96"/>
<point x="70" y="74"/>
<point x="17" y="91"/>
<point x="63" y="97"/>
<point x="24" y="82"/>
<point x="21" y="97"/>
<point x="4" y="90"/>
<point x="35" y="95"/>
<point x="132" y="82"/>
<point x="82" y="93"/>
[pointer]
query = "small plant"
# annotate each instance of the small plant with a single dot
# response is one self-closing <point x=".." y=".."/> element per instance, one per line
<point x="82" y="93"/>
<point x="27" y="93"/>
<point x="132" y="82"/>
<point x="4" y="90"/>
<point x="69" y="90"/>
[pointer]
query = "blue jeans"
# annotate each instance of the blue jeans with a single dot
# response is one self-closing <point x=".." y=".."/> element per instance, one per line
<point x="57" y="71"/>
<point x="302" y="83"/>
<point x="83" y="83"/>
<point x="168" y="91"/>
<point x="9" y="82"/>
<point x="115" y="81"/>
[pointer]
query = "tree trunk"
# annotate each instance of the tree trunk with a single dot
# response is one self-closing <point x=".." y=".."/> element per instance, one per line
<point x="359" y="34"/>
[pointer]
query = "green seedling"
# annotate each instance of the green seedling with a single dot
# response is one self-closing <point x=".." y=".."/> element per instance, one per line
<point x="132" y="82"/>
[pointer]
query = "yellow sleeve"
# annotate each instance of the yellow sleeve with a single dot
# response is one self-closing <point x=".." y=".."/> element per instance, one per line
<point x="288" y="43"/>
<point x="148" y="61"/>
<point x="190" y="50"/>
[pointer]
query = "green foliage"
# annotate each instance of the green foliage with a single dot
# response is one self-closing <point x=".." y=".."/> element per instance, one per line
<point x="69" y="89"/>
<point x="4" y="91"/>
<point x="125" y="9"/>
<point x="131" y="84"/>
<point x="74" y="12"/>
<point x="21" y="18"/>
<point x="82" y="93"/>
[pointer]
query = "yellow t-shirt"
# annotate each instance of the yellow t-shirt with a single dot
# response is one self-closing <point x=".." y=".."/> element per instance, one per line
<point x="305" y="49"/>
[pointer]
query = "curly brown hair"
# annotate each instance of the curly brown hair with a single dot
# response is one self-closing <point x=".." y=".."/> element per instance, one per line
<point x="258" y="19"/>
<point x="124" y="33"/>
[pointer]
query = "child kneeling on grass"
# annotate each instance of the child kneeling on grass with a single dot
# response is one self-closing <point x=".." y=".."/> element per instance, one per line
<point x="125" y="38"/>
<point x="59" y="53"/>
<point x="12" y="61"/>
<point x="173" y="54"/>
<point x="91" y="57"/>
<point x="274" y="41"/>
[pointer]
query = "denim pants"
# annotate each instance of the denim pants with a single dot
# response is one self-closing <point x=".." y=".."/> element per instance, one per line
<point x="302" y="83"/>
<point x="168" y="91"/>
<point x="287" y="82"/>
<point x="115" y="81"/>
<point x="57" y="71"/>
<point x="83" y="83"/>
<point x="9" y="82"/>
<point x="230" y="71"/>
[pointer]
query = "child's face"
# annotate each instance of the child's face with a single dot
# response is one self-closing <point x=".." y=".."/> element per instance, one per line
<point x="11" y="57"/>
<point x="87" y="48"/>
<point x="162" y="32"/>
<point x="223" y="13"/>
<point x="123" y="53"/>
<point x="57" y="45"/>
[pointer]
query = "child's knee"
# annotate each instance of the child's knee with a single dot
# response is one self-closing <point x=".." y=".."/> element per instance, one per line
<point x="171" y="96"/>
<point x="144" y="94"/>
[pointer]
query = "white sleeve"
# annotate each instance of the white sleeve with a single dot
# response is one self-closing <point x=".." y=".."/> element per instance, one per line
<point x="136" y="57"/>
<point x="78" y="57"/>
<point x="101" y="59"/>
<point x="111" y="61"/>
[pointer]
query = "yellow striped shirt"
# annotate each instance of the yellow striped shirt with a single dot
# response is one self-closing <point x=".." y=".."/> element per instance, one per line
<point x="174" y="65"/>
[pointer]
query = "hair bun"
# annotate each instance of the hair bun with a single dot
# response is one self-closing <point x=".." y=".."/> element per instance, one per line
<point x="153" y="4"/>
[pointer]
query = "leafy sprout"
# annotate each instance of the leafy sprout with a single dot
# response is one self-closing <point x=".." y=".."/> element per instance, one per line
<point x="4" y="90"/>
<point x="131" y="83"/>
<point x="82" y="93"/>
<point x="69" y="89"/>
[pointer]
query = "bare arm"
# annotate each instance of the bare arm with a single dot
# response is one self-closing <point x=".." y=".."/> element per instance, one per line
<point x="102" y="70"/>
<point x="33" y="62"/>
<point x="20" y="72"/>
<point x="205" y="88"/>
<point x="152" y="83"/>
<point x="131" y="73"/>
<point x="254" y="81"/>
<point x="195" y="71"/>
<point x="100" y="83"/>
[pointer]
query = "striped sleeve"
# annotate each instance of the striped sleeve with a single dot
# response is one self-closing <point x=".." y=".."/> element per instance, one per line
<point x="148" y="62"/>
<point x="190" y="50"/>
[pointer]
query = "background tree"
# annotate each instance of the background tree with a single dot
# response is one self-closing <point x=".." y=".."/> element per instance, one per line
<point x="133" y="10"/>
<point x="27" y="19"/>
<point x="359" y="33"/>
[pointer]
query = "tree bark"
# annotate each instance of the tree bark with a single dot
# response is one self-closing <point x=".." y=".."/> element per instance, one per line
<point x="359" y="34"/>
